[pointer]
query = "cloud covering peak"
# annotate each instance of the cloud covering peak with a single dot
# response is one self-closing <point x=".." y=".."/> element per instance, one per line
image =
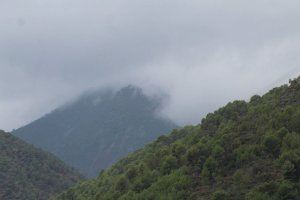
<point x="202" y="53"/>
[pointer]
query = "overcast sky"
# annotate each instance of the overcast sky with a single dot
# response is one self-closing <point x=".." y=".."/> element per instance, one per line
<point x="203" y="53"/>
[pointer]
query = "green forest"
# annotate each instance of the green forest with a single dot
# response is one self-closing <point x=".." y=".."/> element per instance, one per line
<point x="28" y="173"/>
<point x="245" y="150"/>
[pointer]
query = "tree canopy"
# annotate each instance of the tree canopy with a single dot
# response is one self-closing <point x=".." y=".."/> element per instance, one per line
<point x="245" y="150"/>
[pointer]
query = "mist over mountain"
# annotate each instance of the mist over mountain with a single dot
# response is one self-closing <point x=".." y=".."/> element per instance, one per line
<point x="117" y="98"/>
<point x="28" y="173"/>
<point x="99" y="128"/>
<point x="242" y="151"/>
<point x="52" y="50"/>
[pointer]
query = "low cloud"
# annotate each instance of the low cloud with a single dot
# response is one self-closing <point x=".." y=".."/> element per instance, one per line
<point x="202" y="53"/>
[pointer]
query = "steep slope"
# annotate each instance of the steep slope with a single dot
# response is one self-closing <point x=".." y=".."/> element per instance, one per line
<point x="98" y="129"/>
<point x="242" y="151"/>
<point x="27" y="173"/>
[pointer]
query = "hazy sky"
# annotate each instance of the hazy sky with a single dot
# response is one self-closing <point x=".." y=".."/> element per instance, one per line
<point x="203" y="53"/>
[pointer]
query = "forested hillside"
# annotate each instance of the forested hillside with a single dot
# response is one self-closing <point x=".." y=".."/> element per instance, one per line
<point x="245" y="150"/>
<point x="99" y="128"/>
<point x="27" y="173"/>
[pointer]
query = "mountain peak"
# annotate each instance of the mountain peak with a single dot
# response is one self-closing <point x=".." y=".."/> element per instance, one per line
<point x="244" y="150"/>
<point x="98" y="128"/>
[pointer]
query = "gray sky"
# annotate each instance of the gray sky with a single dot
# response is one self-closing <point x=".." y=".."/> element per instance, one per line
<point x="203" y="53"/>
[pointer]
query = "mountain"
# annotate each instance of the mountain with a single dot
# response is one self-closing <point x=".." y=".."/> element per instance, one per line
<point x="27" y="173"/>
<point x="99" y="128"/>
<point x="245" y="150"/>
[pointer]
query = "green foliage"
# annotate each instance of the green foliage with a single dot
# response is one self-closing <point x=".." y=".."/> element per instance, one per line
<point x="169" y="164"/>
<point x="290" y="157"/>
<point x="27" y="173"/>
<point x="197" y="154"/>
<point x="272" y="144"/>
<point x="218" y="151"/>
<point x="143" y="182"/>
<point x="132" y="172"/>
<point x="209" y="168"/>
<point x="220" y="195"/>
<point x="282" y="132"/>
<point x="242" y="151"/>
<point x="255" y="100"/>
<point x="279" y="190"/>
<point x="178" y="149"/>
<point x="245" y="154"/>
<point x="121" y="184"/>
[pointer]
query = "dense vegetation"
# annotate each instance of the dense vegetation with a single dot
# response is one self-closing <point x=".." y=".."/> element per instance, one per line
<point x="27" y="173"/>
<point x="98" y="129"/>
<point x="242" y="151"/>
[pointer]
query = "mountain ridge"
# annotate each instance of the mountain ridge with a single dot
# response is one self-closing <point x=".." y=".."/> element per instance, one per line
<point x="28" y="173"/>
<point x="243" y="151"/>
<point x="98" y="128"/>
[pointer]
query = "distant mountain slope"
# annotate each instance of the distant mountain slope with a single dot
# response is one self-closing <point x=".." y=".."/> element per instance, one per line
<point x="99" y="128"/>
<point x="27" y="173"/>
<point x="243" y="151"/>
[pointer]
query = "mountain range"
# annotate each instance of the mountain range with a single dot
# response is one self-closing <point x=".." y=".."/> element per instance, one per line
<point x="243" y="151"/>
<point x="97" y="129"/>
